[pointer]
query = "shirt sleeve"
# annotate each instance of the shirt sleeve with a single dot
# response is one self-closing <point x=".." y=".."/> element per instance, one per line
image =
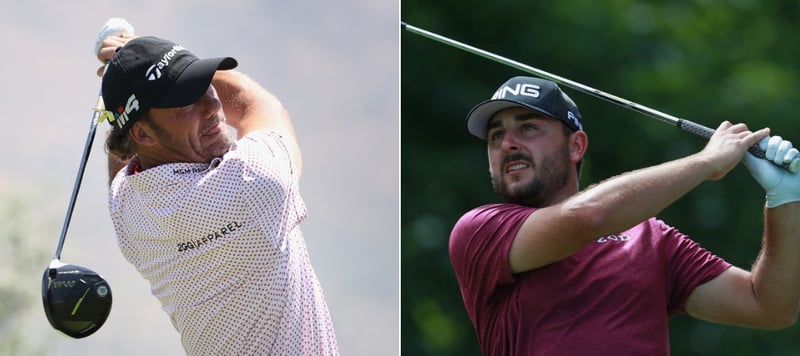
<point x="689" y="266"/>
<point x="479" y="246"/>
<point x="270" y="182"/>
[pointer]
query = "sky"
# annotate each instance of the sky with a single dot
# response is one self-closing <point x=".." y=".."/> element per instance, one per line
<point x="334" y="65"/>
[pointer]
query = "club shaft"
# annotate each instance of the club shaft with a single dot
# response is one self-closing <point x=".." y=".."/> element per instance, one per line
<point x="87" y="148"/>
<point x="113" y="26"/>
<point x="544" y="74"/>
<point x="686" y="125"/>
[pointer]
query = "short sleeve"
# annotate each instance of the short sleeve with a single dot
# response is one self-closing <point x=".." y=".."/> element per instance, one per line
<point x="479" y="246"/>
<point x="270" y="182"/>
<point x="689" y="265"/>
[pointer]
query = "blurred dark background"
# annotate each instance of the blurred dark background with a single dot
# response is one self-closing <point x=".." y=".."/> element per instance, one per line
<point x="706" y="61"/>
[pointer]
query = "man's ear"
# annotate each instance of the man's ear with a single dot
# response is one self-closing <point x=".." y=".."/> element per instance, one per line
<point x="141" y="134"/>
<point x="578" y="143"/>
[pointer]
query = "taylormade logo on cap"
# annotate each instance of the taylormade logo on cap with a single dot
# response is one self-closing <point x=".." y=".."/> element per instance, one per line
<point x="154" y="72"/>
<point x="536" y="94"/>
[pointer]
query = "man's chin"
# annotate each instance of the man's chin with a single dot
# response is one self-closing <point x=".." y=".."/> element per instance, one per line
<point x="514" y="197"/>
<point x="527" y="195"/>
<point x="219" y="148"/>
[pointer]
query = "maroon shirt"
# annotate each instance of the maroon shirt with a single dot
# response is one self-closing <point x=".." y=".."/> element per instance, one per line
<point x="614" y="296"/>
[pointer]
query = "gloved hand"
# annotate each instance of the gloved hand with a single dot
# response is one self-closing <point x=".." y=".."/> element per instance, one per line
<point x="781" y="185"/>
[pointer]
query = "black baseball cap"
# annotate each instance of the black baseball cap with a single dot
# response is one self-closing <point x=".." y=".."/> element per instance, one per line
<point x="537" y="94"/>
<point x="150" y="72"/>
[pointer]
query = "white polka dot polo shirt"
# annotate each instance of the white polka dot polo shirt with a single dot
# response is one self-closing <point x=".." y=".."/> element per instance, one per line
<point x="222" y="249"/>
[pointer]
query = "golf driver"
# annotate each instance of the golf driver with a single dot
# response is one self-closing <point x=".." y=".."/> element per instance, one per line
<point x="682" y="124"/>
<point x="76" y="299"/>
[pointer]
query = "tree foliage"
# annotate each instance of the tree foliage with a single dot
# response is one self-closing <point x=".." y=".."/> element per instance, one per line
<point x="26" y="218"/>
<point x="703" y="60"/>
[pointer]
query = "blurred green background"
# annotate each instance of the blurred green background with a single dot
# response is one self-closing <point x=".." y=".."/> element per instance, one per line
<point x="703" y="60"/>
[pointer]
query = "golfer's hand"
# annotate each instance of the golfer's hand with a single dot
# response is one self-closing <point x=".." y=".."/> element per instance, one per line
<point x="780" y="185"/>
<point x="727" y="146"/>
<point x="109" y="47"/>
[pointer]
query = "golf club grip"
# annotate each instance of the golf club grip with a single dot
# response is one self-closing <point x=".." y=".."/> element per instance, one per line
<point x="704" y="131"/>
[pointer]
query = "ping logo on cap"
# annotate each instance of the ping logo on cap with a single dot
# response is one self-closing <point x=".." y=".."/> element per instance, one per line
<point x="531" y="90"/>
<point x="575" y="121"/>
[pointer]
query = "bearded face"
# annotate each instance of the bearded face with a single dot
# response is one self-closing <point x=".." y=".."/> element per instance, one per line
<point x="548" y="177"/>
<point x="529" y="158"/>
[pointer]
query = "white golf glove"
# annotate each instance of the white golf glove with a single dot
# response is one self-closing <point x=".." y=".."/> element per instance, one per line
<point x="781" y="185"/>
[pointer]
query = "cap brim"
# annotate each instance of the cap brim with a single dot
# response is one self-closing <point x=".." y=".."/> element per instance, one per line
<point x="193" y="82"/>
<point x="478" y="118"/>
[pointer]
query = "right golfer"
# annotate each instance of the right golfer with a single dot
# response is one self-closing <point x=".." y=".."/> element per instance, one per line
<point x="555" y="271"/>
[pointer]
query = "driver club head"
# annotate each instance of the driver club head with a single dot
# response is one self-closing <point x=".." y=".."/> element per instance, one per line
<point x="77" y="300"/>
